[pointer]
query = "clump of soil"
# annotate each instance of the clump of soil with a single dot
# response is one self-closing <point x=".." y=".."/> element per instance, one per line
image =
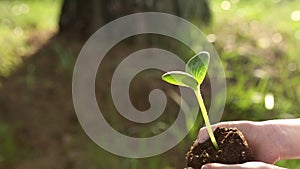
<point x="234" y="149"/>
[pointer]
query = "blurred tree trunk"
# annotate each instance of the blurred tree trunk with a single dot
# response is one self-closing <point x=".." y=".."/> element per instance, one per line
<point x="82" y="18"/>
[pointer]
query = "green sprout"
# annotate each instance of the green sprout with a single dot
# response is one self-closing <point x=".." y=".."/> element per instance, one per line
<point x="196" y="69"/>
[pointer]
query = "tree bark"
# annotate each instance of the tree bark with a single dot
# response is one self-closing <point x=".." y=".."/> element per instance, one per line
<point x="82" y="18"/>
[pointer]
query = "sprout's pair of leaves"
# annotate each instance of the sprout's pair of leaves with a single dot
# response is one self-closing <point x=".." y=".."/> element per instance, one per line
<point x="196" y="69"/>
<point x="180" y="78"/>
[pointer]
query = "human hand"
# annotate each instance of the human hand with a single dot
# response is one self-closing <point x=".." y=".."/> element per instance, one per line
<point x="261" y="138"/>
<point x="248" y="165"/>
<point x="270" y="141"/>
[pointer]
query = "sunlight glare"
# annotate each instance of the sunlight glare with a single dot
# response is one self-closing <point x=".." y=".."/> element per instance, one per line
<point x="269" y="101"/>
<point x="211" y="38"/>
<point x="295" y="16"/>
<point x="226" y="5"/>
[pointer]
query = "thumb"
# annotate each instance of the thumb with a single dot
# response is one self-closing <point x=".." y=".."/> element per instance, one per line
<point x="248" y="165"/>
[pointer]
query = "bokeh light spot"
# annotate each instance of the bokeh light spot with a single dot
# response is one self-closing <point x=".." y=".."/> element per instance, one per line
<point x="18" y="31"/>
<point x="297" y="35"/>
<point x="269" y="101"/>
<point x="225" y="5"/>
<point x="211" y="38"/>
<point x="257" y="97"/>
<point x="277" y="38"/>
<point x="263" y="43"/>
<point x="292" y="67"/>
<point x="295" y="16"/>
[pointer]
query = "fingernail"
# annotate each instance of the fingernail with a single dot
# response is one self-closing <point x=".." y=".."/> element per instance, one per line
<point x="205" y="167"/>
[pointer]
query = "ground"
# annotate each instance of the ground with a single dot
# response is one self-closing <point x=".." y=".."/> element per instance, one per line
<point x="36" y="104"/>
<point x="37" y="99"/>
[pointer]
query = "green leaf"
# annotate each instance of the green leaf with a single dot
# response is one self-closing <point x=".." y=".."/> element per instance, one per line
<point x="197" y="66"/>
<point x="180" y="78"/>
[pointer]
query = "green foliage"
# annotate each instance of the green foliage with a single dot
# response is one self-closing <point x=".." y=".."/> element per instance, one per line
<point x="196" y="69"/>
<point x="258" y="44"/>
<point x="66" y="60"/>
<point x="260" y="58"/>
<point x="288" y="163"/>
<point x="181" y="79"/>
<point x="8" y="147"/>
<point x="197" y="66"/>
<point x="20" y="20"/>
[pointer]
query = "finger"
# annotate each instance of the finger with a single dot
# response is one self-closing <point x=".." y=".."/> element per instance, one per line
<point x="256" y="135"/>
<point x="248" y="165"/>
<point x="203" y="134"/>
<point x="244" y="126"/>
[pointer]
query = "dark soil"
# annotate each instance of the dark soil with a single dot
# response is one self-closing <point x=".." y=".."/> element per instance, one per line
<point x="234" y="149"/>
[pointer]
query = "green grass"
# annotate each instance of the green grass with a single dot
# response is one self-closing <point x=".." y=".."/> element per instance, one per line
<point x="257" y="44"/>
<point x="290" y="164"/>
<point x="19" y="20"/>
<point x="8" y="145"/>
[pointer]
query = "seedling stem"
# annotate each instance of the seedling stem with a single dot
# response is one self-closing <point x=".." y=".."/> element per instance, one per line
<point x="196" y="69"/>
<point x="205" y="117"/>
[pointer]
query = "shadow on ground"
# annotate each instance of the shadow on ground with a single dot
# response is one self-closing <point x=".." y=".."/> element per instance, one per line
<point x="36" y="104"/>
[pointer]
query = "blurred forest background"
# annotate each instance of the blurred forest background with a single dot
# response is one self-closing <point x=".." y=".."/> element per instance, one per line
<point x="258" y="43"/>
